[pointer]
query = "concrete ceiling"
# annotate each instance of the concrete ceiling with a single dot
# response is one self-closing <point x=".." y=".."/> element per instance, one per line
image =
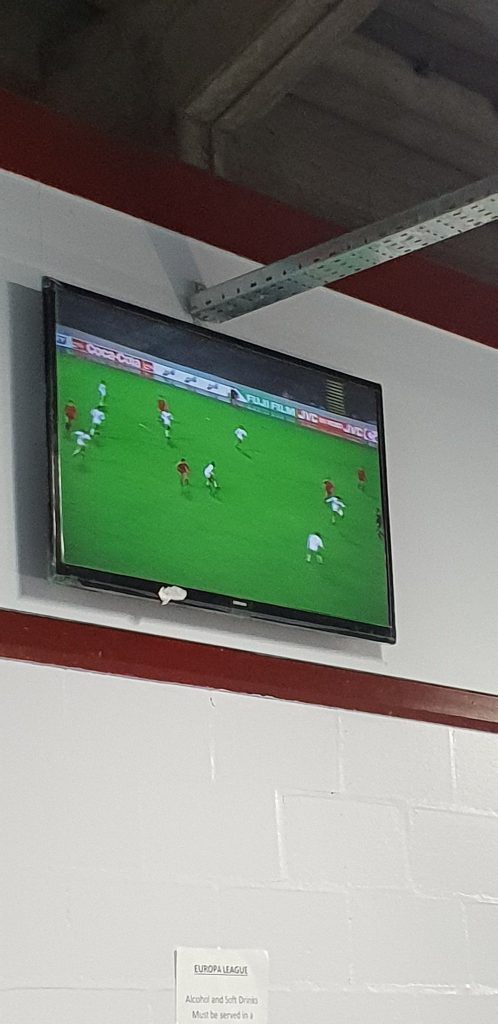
<point x="348" y="109"/>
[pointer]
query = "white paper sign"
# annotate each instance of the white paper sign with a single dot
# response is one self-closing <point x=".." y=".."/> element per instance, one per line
<point x="222" y="986"/>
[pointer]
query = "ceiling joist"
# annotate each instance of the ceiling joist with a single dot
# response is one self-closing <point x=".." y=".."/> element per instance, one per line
<point x="255" y="69"/>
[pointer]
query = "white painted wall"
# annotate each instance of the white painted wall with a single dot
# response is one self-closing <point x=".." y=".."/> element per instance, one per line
<point x="362" y="852"/>
<point x="441" y="420"/>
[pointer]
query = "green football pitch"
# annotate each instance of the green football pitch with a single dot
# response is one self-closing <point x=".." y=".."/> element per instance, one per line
<point x="124" y="511"/>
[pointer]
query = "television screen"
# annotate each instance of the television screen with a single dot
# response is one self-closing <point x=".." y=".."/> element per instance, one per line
<point x="252" y="480"/>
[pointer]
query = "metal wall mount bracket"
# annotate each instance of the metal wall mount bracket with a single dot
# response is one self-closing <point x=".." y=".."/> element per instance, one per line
<point x="423" y="225"/>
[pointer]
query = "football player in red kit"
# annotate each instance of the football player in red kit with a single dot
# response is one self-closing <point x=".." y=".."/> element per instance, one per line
<point x="362" y="479"/>
<point x="183" y="469"/>
<point x="329" y="489"/>
<point x="70" y="413"/>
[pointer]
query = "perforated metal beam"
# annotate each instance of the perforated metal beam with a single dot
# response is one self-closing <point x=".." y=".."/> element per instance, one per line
<point x="426" y="224"/>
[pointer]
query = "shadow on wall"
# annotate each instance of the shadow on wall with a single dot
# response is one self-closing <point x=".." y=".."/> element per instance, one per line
<point x="180" y="265"/>
<point x="29" y="431"/>
<point x="31" y="502"/>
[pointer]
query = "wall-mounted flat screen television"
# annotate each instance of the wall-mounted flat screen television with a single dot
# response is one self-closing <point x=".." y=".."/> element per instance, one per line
<point x="183" y="457"/>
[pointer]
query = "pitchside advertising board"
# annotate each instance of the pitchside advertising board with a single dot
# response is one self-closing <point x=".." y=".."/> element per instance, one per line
<point x="98" y="350"/>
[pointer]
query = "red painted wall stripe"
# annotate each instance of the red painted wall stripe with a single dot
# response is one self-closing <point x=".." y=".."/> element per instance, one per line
<point x="120" y="652"/>
<point x="42" y="145"/>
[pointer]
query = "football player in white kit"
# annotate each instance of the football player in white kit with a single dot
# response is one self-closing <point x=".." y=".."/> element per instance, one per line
<point x="102" y="390"/>
<point x="210" y="478"/>
<point x="97" y="417"/>
<point x="314" y="547"/>
<point x="82" y="439"/>
<point x="336" y="506"/>
<point x="241" y="435"/>
<point x="166" y="418"/>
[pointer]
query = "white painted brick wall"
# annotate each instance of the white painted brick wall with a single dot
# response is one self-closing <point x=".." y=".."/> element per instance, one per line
<point x="401" y="939"/>
<point x="360" y="851"/>
<point x="482" y="924"/>
<point x="455" y="852"/>
<point x="306" y="933"/>
<point x="331" y="841"/>
<point x="476" y="771"/>
<point x="398" y="771"/>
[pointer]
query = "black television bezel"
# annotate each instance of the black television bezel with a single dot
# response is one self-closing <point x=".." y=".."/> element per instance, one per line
<point x="94" y="579"/>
